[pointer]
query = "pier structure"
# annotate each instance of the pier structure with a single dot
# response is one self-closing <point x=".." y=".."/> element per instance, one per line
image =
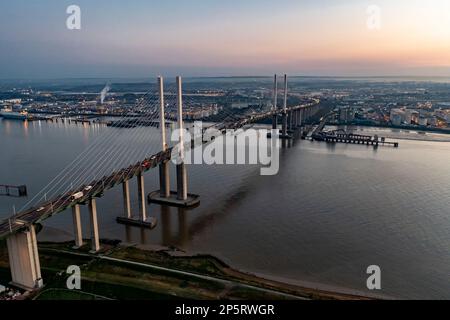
<point x="181" y="197"/>
<point x="284" y="114"/>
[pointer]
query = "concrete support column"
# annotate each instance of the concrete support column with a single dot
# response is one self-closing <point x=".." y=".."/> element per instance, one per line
<point x="274" y="121"/>
<point x="24" y="259"/>
<point x="275" y="102"/>
<point x="181" y="169"/>
<point x="284" y="115"/>
<point x="77" y="230"/>
<point x="95" y="240"/>
<point x="126" y="199"/>
<point x="290" y="120"/>
<point x="141" y="198"/>
<point x="284" y="124"/>
<point x="164" y="179"/>
<point x="181" y="182"/>
<point x="299" y="118"/>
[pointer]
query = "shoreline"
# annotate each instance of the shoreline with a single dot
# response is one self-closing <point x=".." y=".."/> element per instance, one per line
<point x="56" y="236"/>
<point x="170" y="273"/>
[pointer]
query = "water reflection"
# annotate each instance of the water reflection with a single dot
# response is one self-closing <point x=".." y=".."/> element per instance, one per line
<point x="128" y="233"/>
<point x="166" y="226"/>
<point x="181" y="236"/>
<point x="25" y="128"/>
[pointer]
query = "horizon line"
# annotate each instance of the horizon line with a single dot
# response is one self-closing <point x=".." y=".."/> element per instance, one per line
<point x="230" y="77"/>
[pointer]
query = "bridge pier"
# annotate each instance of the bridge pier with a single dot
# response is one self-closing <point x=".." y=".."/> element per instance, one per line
<point x="180" y="198"/>
<point x="78" y="231"/>
<point x="290" y="122"/>
<point x="95" y="240"/>
<point x="126" y="199"/>
<point x="275" y="102"/>
<point x="294" y="119"/>
<point x="296" y="124"/>
<point x="284" y="119"/>
<point x="141" y="198"/>
<point x="181" y="182"/>
<point x="164" y="180"/>
<point x="24" y="259"/>
<point x="274" y="106"/>
<point x="128" y="219"/>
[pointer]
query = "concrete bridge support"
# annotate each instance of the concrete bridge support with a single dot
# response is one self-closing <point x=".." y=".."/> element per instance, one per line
<point x="141" y="198"/>
<point x="128" y="219"/>
<point x="284" y="115"/>
<point x="275" y="102"/>
<point x="284" y="125"/>
<point x="164" y="180"/>
<point x="290" y="121"/>
<point x="78" y="231"/>
<point x="126" y="199"/>
<point x="181" y="182"/>
<point x="299" y="118"/>
<point x="181" y="197"/>
<point x="95" y="240"/>
<point x="24" y="259"/>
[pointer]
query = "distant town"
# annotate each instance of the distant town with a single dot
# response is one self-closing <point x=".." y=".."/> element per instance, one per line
<point x="400" y="104"/>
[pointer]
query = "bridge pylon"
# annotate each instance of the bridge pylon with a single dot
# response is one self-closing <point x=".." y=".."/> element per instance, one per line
<point x="275" y="102"/>
<point x="284" y="114"/>
<point x="181" y="197"/>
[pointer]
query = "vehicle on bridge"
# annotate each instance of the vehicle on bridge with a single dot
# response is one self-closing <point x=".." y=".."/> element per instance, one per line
<point x="76" y="196"/>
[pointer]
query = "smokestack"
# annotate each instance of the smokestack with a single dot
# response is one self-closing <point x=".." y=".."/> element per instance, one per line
<point x="104" y="92"/>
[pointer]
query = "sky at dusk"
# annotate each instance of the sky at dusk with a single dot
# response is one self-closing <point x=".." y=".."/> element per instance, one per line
<point x="143" y="38"/>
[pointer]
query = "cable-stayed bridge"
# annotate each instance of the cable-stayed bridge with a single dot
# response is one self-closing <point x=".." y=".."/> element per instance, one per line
<point x="85" y="188"/>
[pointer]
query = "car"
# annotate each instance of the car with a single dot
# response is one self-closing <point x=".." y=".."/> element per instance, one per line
<point x="87" y="188"/>
<point x="76" y="196"/>
<point x="40" y="209"/>
<point x="145" y="164"/>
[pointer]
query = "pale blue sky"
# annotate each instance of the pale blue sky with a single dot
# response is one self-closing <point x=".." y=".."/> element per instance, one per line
<point x="142" y="38"/>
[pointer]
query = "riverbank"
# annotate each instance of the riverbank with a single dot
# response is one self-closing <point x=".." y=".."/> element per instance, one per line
<point x="125" y="272"/>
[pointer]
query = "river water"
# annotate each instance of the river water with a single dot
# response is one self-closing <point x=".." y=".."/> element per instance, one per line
<point x="331" y="211"/>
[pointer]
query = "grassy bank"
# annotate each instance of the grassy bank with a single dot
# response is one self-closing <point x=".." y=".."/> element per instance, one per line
<point x="130" y="273"/>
